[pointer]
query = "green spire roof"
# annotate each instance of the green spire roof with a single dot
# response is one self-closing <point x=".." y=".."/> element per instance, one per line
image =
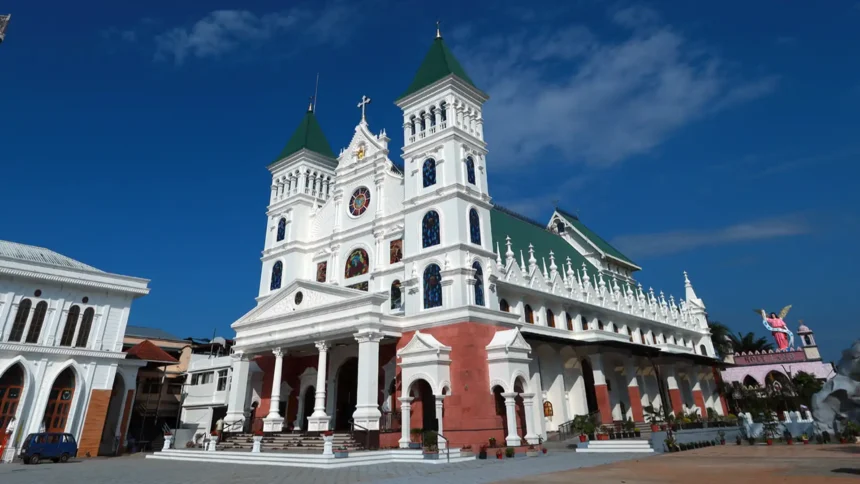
<point x="438" y="64"/>
<point x="308" y="136"/>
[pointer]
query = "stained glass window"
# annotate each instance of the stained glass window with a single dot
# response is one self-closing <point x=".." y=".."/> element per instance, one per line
<point x="432" y="287"/>
<point x="479" y="284"/>
<point x="470" y="170"/>
<point x="20" y="320"/>
<point x="474" y="227"/>
<point x="282" y="229"/>
<point x="530" y="315"/>
<point x="395" y="251"/>
<point x="357" y="263"/>
<point x="359" y="202"/>
<point x="277" y="269"/>
<point x="430" y="229"/>
<point x="550" y="318"/>
<point x="322" y="270"/>
<point x="429" y="172"/>
<point x="396" y="297"/>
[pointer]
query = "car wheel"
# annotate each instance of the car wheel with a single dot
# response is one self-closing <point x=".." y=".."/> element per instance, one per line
<point x="64" y="458"/>
<point x="34" y="459"/>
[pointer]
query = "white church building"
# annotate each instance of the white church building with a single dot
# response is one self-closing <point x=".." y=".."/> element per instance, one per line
<point x="392" y="298"/>
<point x="62" y="368"/>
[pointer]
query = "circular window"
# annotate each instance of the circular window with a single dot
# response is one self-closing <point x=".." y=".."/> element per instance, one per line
<point x="299" y="297"/>
<point x="85" y="300"/>
<point x="38" y="293"/>
<point x="359" y="202"/>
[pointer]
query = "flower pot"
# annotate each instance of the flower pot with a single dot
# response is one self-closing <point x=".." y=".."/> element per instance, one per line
<point x="531" y="453"/>
<point x="663" y="427"/>
<point x="769" y="441"/>
<point x="582" y="438"/>
<point x="341" y="454"/>
<point x="789" y="441"/>
<point x="842" y="440"/>
<point x="722" y="441"/>
<point x="543" y="450"/>
<point x="805" y="441"/>
<point x="500" y="456"/>
<point x="482" y="455"/>
<point x="655" y="428"/>
<point x="415" y="445"/>
<point x="637" y="433"/>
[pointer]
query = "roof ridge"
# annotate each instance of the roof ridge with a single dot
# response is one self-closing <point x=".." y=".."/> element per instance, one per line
<point x="522" y="217"/>
<point x="566" y="213"/>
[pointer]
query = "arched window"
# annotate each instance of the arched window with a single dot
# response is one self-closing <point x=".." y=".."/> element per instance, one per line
<point x="36" y="324"/>
<point x="504" y="306"/>
<point x="550" y="318"/>
<point x="432" y="287"/>
<point x="749" y="381"/>
<point x="479" y="284"/>
<point x="614" y="328"/>
<point x="412" y="125"/>
<point x="569" y="321"/>
<point x="600" y="325"/>
<point x="396" y="298"/>
<point x="474" y="227"/>
<point x="71" y="325"/>
<point x="277" y="270"/>
<point x="356" y="264"/>
<point x="703" y="350"/>
<point x="442" y="108"/>
<point x="470" y="170"/>
<point x="432" y="116"/>
<point x="430" y="235"/>
<point x="559" y="226"/>
<point x="86" y="325"/>
<point x="642" y="337"/>
<point x="422" y="120"/>
<point x="530" y="315"/>
<point x="282" y="229"/>
<point x="20" y="320"/>
<point x="807" y="341"/>
<point x="428" y="172"/>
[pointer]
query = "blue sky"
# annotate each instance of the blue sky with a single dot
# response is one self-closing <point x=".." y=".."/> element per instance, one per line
<point x="714" y="137"/>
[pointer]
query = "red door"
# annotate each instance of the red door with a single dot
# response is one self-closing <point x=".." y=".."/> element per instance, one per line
<point x="11" y="388"/>
<point x="60" y="402"/>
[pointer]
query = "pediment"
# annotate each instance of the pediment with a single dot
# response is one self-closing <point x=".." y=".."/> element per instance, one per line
<point x="301" y="295"/>
<point x="508" y="339"/>
<point x="365" y="143"/>
<point x="422" y="343"/>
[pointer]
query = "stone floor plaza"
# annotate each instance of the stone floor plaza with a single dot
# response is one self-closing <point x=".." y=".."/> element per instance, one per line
<point x="831" y="464"/>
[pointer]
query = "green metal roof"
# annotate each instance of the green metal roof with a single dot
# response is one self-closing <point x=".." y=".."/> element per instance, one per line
<point x="595" y="239"/>
<point x="438" y="64"/>
<point x="523" y="232"/>
<point x="309" y="136"/>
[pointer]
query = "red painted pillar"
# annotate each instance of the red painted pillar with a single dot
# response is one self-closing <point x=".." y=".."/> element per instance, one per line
<point x="718" y="380"/>
<point x="636" y="403"/>
<point x="677" y="403"/>
<point x="699" y="399"/>
<point x="603" y="403"/>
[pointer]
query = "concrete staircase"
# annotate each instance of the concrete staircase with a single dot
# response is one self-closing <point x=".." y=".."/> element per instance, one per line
<point x="624" y="446"/>
<point x="317" y="461"/>
<point x="288" y="442"/>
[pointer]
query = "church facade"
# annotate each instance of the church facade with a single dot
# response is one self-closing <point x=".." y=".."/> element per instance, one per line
<point x="393" y="298"/>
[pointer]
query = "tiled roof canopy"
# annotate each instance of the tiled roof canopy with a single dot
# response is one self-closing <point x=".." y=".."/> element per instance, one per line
<point x="147" y="351"/>
<point x="31" y="253"/>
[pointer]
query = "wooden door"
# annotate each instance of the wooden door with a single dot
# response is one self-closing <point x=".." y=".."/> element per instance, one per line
<point x="60" y="402"/>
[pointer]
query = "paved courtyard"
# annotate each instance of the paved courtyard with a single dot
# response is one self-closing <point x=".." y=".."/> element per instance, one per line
<point x="137" y="470"/>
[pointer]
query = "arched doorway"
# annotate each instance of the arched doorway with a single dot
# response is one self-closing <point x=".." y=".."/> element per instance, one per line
<point x="423" y="412"/>
<point x="11" y="392"/>
<point x="308" y="401"/>
<point x="60" y="402"/>
<point x="590" y="392"/>
<point x="347" y="384"/>
<point x="110" y="432"/>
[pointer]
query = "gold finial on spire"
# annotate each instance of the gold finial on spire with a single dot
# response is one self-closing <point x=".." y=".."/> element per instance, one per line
<point x="438" y="32"/>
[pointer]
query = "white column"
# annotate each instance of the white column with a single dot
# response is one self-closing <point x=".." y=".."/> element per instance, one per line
<point x="319" y="421"/>
<point x="442" y="444"/>
<point x="238" y="394"/>
<point x="510" y="402"/>
<point x="405" y="415"/>
<point x="529" y="406"/>
<point x="274" y="422"/>
<point x="367" y="412"/>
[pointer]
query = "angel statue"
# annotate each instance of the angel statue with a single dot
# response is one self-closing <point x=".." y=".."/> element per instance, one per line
<point x="777" y="326"/>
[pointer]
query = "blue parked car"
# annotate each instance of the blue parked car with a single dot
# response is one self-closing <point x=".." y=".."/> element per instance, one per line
<point x="58" y="447"/>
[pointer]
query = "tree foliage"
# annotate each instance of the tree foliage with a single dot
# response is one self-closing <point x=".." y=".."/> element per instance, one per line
<point x="749" y="342"/>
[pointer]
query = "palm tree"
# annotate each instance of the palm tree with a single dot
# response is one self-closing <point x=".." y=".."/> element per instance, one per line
<point x="745" y="343"/>
<point x="720" y="334"/>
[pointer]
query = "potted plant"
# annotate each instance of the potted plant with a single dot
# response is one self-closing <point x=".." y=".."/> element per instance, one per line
<point x="431" y="441"/>
<point x="671" y="444"/>
<point x="543" y="450"/>
<point x="492" y="442"/>
<point x="466" y="451"/>
<point x="629" y="427"/>
<point x="770" y="430"/>
<point x="603" y="433"/>
<point x="722" y="434"/>
<point x="482" y="453"/>
<point x="789" y="439"/>
<point x="168" y="441"/>
<point x="509" y="452"/>
<point x="499" y="454"/>
<point x="341" y="452"/>
<point x="805" y="439"/>
<point x="531" y="451"/>
<point x="588" y="428"/>
<point x="415" y="438"/>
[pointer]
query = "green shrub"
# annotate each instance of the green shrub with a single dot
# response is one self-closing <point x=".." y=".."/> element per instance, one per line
<point x="509" y="452"/>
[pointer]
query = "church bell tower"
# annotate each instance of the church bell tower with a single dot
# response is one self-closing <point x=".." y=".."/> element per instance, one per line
<point x="448" y="251"/>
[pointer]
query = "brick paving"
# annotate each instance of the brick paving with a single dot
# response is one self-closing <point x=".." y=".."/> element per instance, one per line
<point x="137" y="470"/>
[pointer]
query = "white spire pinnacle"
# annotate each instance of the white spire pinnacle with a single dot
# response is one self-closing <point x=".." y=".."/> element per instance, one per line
<point x="509" y="254"/>
<point x="545" y="273"/>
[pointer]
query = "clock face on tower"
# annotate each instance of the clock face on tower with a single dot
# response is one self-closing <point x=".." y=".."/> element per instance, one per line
<point x="359" y="202"/>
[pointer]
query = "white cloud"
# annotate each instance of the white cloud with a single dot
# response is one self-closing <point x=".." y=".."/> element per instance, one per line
<point x="649" y="245"/>
<point x="224" y="31"/>
<point x="594" y="100"/>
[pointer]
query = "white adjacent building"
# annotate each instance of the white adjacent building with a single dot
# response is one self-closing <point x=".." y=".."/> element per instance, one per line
<point x="61" y="365"/>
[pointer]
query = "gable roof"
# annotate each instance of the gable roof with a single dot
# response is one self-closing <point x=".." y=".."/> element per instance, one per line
<point x="438" y="64"/>
<point x="524" y="231"/>
<point x="308" y="136"/>
<point x="31" y="253"/>
<point x="147" y="351"/>
<point x="595" y="239"/>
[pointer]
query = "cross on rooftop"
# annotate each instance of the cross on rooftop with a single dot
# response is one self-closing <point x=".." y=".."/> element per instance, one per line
<point x="364" y="102"/>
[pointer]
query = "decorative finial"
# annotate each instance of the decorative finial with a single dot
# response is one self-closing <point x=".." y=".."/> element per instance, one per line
<point x="310" y="104"/>
<point x="364" y="102"/>
<point x="438" y="32"/>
